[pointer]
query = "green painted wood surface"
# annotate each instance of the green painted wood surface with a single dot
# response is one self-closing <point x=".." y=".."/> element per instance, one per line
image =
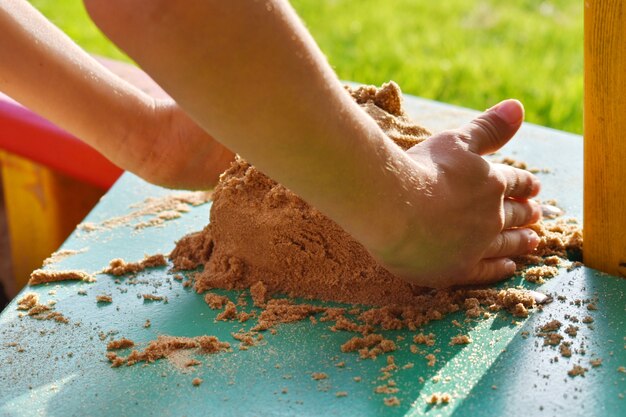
<point x="62" y="370"/>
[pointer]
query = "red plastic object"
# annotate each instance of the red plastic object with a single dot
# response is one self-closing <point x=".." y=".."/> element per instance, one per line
<point x="30" y="136"/>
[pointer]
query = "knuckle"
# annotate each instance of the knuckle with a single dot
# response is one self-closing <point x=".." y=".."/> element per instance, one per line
<point x="460" y="135"/>
<point x="501" y="243"/>
<point x="522" y="242"/>
<point x="512" y="215"/>
<point x="528" y="214"/>
<point x="499" y="183"/>
<point x="526" y="184"/>
<point x="518" y="184"/>
<point x="523" y="183"/>
<point x="513" y="184"/>
<point x="480" y="272"/>
<point x="455" y="140"/>
<point x="497" y="176"/>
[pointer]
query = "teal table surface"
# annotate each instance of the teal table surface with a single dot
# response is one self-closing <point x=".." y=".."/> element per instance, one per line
<point x="55" y="369"/>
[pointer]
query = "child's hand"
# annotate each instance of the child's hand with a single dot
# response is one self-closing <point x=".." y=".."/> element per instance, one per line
<point x="167" y="148"/>
<point x="466" y="223"/>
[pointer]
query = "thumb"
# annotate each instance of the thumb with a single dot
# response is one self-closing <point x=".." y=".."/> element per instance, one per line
<point x="494" y="128"/>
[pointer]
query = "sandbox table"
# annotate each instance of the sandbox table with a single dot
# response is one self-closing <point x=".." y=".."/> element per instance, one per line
<point x="56" y="369"/>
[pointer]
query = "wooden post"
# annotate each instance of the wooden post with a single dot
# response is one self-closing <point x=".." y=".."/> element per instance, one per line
<point x="605" y="136"/>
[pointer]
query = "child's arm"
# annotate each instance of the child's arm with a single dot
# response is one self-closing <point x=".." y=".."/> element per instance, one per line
<point x="251" y="75"/>
<point x="44" y="70"/>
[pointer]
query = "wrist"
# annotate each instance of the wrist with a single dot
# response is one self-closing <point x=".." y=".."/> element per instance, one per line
<point x="385" y="212"/>
<point x="126" y="128"/>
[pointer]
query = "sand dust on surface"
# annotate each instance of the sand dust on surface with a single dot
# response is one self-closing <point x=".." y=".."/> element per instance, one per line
<point x="60" y="255"/>
<point x="153" y="211"/>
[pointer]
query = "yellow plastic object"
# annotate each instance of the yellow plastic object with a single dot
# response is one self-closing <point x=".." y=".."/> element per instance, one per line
<point x="42" y="208"/>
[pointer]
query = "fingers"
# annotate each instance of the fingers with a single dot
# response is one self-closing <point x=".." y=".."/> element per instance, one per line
<point x="492" y="129"/>
<point x="520" y="213"/>
<point x="489" y="271"/>
<point x="519" y="183"/>
<point x="496" y="266"/>
<point x="511" y="243"/>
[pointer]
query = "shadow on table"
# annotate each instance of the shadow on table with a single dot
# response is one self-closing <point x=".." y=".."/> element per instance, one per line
<point x="534" y="377"/>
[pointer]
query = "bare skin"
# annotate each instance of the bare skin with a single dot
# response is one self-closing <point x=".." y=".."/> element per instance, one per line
<point x="251" y="75"/>
<point x="44" y="70"/>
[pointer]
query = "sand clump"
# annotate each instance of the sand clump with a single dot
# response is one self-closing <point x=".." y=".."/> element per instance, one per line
<point x="119" y="267"/>
<point x="153" y="297"/>
<point x="30" y="304"/>
<point x="166" y="346"/>
<point x="559" y="241"/>
<point x="104" y="298"/>
<point x="28" y="301"/>
<point x="284" y="311"/>
<point x="577" y="370"/>
<point x="431" y="359"/>
<point x="215" y="301"/>
<point x="391" y="401"/>
<point x="427" y="307"/>
<point x="122" y="343"/>
<point x="41" y="276"/>
<point x="461" y="339"/>
<point x="369" y="346"/>
<point x="439" y="398"/>
<point x="537" y="274"/>
<point x="423" y="339"/>
<point x="247" y="339"/>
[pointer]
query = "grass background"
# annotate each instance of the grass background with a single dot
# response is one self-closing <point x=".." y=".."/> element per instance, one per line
<point x="471" y="53"/>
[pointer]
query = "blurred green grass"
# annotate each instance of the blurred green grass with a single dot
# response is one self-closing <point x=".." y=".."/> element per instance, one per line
<point x="472" y="53"/>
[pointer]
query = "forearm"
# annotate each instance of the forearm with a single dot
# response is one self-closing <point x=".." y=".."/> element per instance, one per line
<point x="250" y="74"/>
<point x="44" y="70"/>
